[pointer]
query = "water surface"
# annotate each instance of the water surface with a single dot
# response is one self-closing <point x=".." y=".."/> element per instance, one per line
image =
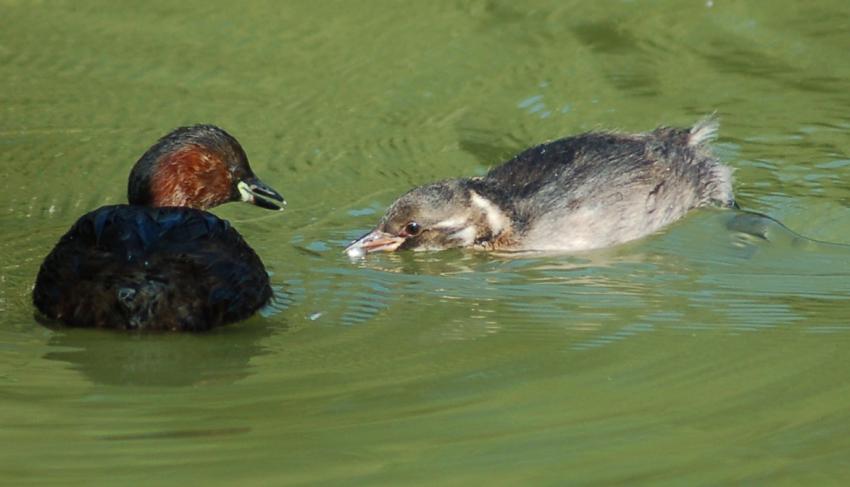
<point x="700" y="355"/>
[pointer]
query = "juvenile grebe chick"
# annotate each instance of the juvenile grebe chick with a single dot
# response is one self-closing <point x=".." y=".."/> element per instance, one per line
<point x="162" y="262"/>
<point x="584" y="192"/>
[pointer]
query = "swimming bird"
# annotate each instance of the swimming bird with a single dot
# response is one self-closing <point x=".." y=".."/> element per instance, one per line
<point x="584" y="192"/>
<point x="162" y="262"/>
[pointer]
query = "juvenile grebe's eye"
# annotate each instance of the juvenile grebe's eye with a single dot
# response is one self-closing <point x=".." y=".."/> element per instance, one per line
<point x="412" y="229"/>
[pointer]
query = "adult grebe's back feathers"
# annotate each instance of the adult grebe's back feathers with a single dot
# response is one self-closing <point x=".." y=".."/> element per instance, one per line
<point x="151" y="268"/>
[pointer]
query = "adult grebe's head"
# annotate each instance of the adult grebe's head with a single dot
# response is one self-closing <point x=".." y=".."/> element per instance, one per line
<point x="201" y="166"/>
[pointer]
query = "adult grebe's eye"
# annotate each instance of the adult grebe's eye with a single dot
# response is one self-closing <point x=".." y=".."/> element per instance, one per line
<point x="412" y="229"/>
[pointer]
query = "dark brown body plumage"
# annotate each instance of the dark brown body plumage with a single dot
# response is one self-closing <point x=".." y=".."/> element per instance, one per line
<point x="145" y="268"/>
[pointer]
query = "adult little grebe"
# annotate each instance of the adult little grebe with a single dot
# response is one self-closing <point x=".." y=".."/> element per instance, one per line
<point x="584" y="192"/>
<point x="162" y="262"/>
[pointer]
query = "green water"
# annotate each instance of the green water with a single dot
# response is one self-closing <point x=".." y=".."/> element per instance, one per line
<point x="699" y="356"/>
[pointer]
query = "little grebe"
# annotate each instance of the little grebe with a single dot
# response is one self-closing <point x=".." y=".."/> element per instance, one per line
<point x="162" y="262"/>
<point x="583" y="192"/>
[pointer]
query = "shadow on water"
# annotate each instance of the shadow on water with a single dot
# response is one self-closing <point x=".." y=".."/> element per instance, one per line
<point x="768" y="228"/>
<point x="112" y="357"/>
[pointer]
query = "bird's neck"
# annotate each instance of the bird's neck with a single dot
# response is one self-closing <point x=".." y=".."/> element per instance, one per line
<point x="495" y="222"/>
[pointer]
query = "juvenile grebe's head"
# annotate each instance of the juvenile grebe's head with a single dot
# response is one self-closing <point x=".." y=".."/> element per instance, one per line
<point x="201" y="166"/>
<point x="437" y="216"/>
